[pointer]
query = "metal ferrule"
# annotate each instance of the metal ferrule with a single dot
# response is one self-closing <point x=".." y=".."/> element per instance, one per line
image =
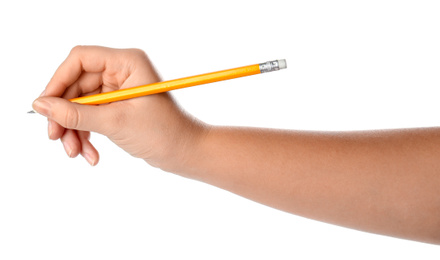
<point x="269" y="66"/>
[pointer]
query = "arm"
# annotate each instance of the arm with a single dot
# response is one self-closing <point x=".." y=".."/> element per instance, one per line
<point x="385" y="182"/>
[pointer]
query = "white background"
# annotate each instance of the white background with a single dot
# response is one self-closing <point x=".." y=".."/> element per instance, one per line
<point x="351" y="65"/>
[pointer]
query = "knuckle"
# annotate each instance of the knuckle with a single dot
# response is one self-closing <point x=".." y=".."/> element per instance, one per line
<point x="138" y="54"/>
<point x="76" y="50"/>
<point x="136" y="51"/>
<point x="71" y="119"/>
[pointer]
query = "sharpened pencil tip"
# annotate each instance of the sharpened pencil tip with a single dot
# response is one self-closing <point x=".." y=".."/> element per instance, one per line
<point x="31" y="112"/>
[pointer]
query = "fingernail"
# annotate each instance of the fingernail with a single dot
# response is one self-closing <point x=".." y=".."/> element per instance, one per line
<point x="49" y="128"/>
<point x="42" y="93"/>
<point x="89" y="159"/>
<point x="68" y="149"/>
<point x="42" y="107"/>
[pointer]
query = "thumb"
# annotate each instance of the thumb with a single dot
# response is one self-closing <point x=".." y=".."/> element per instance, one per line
<point x="71" y="115"/>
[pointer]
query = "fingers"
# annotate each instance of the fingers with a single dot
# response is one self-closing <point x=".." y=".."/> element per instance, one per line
<point x="77" y="142"/>
<point x="71" y="143"/>
<point x="55" y="131"/>
<point x="88" y="151"/>
<point x="81" y="59"/>
<point x="64" y="114"/>
<point x="87" y="83"/>
<point x="74" y="116"/>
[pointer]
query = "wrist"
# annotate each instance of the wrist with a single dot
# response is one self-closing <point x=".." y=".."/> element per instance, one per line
<point x="183" y="149"/>
<point x="192" y="150"/>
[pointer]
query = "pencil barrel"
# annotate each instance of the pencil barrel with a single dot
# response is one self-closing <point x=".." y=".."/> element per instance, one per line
<point x="164" y="86"/>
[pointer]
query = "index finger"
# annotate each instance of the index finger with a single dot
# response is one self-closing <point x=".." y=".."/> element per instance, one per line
<point x="81" y="59"/>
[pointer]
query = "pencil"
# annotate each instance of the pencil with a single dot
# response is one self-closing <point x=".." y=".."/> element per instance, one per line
<point x="164" y="86"/>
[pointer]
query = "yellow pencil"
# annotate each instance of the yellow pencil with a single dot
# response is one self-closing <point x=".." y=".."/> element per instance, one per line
<point x="165" y="86"/>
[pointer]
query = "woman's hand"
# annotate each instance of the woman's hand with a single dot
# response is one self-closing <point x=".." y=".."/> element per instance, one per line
<point x="153" y="128"/>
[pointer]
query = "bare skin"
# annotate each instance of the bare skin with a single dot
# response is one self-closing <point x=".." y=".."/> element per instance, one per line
<point x="385" y="182"/>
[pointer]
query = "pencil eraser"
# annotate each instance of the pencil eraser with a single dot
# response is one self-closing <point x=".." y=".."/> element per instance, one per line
<point x="282" y="64"/>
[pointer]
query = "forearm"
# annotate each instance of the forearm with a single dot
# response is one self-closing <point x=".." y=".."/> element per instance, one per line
<point x="384" y="182"/>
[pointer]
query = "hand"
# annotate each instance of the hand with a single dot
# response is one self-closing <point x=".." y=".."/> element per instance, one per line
<point x="153" y="127"/>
